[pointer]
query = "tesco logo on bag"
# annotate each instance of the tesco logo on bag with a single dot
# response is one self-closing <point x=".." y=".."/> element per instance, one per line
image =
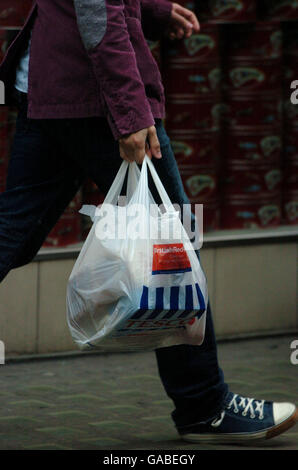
<point x="170" y="258"/>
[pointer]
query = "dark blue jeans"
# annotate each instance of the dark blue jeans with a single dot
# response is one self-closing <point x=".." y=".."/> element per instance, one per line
<point x="50" y="160"/>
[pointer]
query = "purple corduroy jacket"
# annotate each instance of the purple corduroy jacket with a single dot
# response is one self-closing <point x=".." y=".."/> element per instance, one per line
<point x="90" y="58"/>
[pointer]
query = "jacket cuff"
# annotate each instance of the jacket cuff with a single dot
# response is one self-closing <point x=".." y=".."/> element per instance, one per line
<point x="156" y="16"/>
<point x="163" y="10"/>
<point x="125" y="120"/>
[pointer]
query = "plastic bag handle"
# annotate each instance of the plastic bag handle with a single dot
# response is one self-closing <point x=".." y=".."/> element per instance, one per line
<point x="115" y="190"/>
<point x="134" y="177"/>
<point x="132" y="180"/>
<point x="159" y="186"/>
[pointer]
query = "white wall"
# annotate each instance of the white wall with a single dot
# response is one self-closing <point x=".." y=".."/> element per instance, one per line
<point x="253" y="289"/>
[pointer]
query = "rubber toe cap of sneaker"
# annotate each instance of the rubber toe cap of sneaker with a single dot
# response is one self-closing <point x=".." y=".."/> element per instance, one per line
<point x="282" y="411"/>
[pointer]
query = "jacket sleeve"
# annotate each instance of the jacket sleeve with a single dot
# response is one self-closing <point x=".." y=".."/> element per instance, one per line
<point x="103" y="29"/>
<point x="156" y="16"/>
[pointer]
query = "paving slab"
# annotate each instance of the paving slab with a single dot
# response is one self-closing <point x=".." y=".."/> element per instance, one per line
<point x="117" y="401"/>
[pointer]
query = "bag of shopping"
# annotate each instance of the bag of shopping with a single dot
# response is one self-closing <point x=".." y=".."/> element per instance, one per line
<point x="137" y="283"/>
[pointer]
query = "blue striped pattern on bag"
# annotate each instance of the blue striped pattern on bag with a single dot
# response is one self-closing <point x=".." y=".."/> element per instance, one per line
<point x="165" y="297"/>
<point x="171" y="271"/>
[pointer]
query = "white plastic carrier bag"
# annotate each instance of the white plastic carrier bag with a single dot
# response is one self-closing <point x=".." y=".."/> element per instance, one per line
<point x="137" y="283"/>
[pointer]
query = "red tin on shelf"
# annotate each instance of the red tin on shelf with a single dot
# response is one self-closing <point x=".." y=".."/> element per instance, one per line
<point x="290" y="207"/>
<point x="75" y="205"/>
<point x="11" y="13"/>
<point x="248" y="76"/>
<point x="255" y="181"/>
<point x="290" y="114"/>
<point x="290" y="147"/>
<point x="211" y="214"/>
<point x="290" y="38"/>
<point x="200" y="46"/>
<point x="250" y="213"/>
<point x="227" y="11"/>
<point x="253" y="146"/>
<point x="27" y="5"/>
<point x="67" y="231"/>
<point x="91" y="194"/>
<point x="199" y="149"/>
<point x="192" y="78"/>
<point x="261" y="40"/>
<point x="290" y="73"/>
<point x="281" y="9"/>
<point x="188" y="113"/>
<point x="290" y="176"/>
<point x="255" y="110"/>
<point x="94" y="198"/>
<point x="200" y="183"/>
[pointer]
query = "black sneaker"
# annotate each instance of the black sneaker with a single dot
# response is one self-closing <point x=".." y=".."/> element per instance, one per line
<point x="243" y="420"/>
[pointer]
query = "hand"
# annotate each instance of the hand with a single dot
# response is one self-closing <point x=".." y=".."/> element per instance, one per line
<point x="133" y="147"/>
<point x="183" y="23"/>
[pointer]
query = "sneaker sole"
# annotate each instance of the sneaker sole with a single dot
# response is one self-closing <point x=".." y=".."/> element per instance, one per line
<point x="244" y="438"/>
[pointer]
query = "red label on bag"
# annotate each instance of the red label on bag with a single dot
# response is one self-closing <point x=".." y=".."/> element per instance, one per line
<point x="170" y="258"/>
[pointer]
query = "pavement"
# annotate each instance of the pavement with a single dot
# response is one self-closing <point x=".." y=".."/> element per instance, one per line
<point x="117" y="401"/>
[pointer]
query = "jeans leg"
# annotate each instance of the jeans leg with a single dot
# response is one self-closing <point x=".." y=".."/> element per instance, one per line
<point x="193" y="379"/>
<point x="190" y="374"/>
<point x="40" y="184"/>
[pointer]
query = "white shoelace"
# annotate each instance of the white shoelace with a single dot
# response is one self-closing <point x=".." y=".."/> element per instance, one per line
<point x="247" y="404"/>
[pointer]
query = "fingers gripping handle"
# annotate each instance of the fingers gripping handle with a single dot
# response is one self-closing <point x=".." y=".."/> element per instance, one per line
<point x="137" y="180"/>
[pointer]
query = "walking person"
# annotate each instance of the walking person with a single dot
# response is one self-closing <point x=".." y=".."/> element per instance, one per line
<point x="89" y="94"/>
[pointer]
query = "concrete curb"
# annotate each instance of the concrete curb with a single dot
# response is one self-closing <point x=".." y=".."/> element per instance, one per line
<point x="74" y="354"/>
